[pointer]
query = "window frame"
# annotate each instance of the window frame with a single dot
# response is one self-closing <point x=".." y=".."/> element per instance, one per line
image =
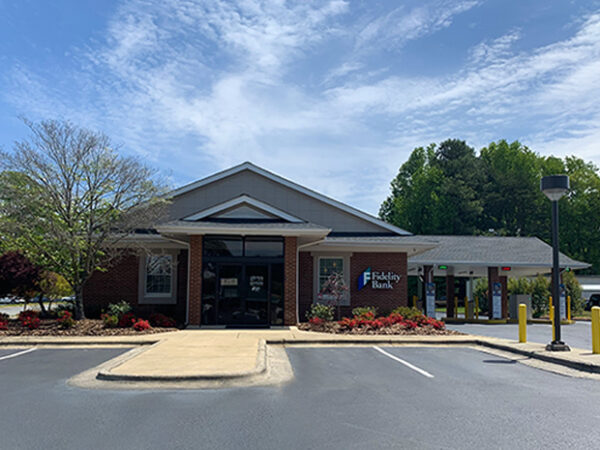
<point x="172" y="267"/>
<point x="145" y="297"/>
<point x="317" y="257"/>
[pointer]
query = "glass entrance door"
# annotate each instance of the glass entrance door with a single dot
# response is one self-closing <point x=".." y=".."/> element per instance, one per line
<point x="229" y="293"/>
<point x="244" y="293"/>
<point x="256" y="303"/>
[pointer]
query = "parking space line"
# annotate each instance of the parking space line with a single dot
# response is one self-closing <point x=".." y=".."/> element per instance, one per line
<point x="406" y="363"/>
<point x="14" y="355"/>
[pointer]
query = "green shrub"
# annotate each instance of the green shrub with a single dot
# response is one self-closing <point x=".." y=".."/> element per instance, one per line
<point x="118" y="309"/>
<point x="320" y="311"/>
<point x="408" y="312"/>
<point x="364" y="311"/>
<point x="540" y="294"/>
<point x="110" y="320"/>
<point x="480" y="290"/>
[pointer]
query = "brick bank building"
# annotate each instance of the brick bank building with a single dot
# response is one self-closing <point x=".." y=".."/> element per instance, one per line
<point x="246" y="247"/>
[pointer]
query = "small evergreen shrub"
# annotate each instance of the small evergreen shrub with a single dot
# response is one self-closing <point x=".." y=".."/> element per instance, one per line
<point x="119" y="309"/>
<point x="408" y="312"/>
<point x="365" y="312"/>
<point x="318" y="310"/>
<point x="110" y="320"/>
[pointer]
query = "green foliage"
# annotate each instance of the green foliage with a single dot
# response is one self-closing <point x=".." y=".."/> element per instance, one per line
<point x="408" y="312"/>
<point x="448" y="189"/>
<point x="540" y="294"/>
<point x="573" y="289"/>
<point x="362" y="311"/>
<point x="480" y="290"/>
<point x="519" y="286"/>
<point x="110" y="320"/>
<point x="118" y="309"/>
<point x="54" y="286"/>
<point x="320" y="311"/>
<point x="67" y="198"/>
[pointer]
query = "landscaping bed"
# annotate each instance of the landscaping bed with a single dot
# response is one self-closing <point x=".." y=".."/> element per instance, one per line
<point x="119" y="320"/>
<point x="402" y="321"/>
<point x="85" y="327"/>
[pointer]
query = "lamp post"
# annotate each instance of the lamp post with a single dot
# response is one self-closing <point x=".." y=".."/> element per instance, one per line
<point x="554" y="187"/>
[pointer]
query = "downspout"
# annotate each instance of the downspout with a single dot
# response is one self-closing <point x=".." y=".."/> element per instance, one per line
<point x="298" y="247"/>
<point x="187" y="290"/>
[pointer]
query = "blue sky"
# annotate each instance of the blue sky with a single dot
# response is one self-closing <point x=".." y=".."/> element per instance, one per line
<point x="331" y="94"/>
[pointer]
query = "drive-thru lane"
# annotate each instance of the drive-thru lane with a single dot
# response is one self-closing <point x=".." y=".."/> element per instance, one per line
<point x="351" y="397"/>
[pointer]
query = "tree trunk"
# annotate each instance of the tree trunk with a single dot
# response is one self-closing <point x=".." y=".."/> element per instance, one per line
<point x="43" y="311"/>
<point x="78" y="312"/>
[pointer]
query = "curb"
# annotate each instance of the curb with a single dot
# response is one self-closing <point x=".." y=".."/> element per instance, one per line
<point x="68" y="343"/>
<point x="578" y="365"/>
<point x="259" y="368"/>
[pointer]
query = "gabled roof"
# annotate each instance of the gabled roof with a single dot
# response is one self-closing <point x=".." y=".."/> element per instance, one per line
<point x="248" y="166"/>
<point x="490" y="251"/>
<point x="241" y="200"/>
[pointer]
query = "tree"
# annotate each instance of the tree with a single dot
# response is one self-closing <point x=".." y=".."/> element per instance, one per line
<point x="67" y="197"/>
<point x="435" y="191"/>
<point x="52" y="286"/>
<point x="18" y="276"/>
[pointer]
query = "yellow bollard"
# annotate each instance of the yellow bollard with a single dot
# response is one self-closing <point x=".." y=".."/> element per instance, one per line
<point x="596" y="329"/>
<point x="569" y="308"/>
<point x="549" y="304"/>
<point x="552" y="320"/>
<point x="414" y="301"/>
<point x="455" y="307"/>
<point x="522" y="322"/>
<point x="477" y="308"/>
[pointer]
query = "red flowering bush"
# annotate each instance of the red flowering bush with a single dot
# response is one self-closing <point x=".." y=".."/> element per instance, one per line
<point x="65" y="320"/>
<point x="4" y="321"/>
<point x="29" y="319"/>
<point x="126" y="320"/>
<point x="316" y="321"/>
<point x="141" y="325"/>
<point x="161" y="321"/>
<point x="365" y="323"/>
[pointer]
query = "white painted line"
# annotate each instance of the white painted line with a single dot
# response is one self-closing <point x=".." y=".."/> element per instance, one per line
<point x="406" y="363"/>
<point x="14" y="355"/>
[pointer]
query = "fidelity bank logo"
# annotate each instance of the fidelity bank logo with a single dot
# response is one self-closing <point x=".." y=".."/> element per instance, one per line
<point x="378" y="280"/>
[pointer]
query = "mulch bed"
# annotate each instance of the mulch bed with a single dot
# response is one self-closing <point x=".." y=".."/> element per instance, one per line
<point x="397" y="329"/>
<point x="85" y="327"/>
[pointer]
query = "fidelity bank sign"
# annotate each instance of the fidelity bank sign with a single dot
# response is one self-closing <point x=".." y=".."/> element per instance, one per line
<point x="378" y="280"/>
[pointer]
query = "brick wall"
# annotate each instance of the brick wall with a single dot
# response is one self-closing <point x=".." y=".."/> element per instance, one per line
<point x="195" y="280"/>
<point x="289" y="281"/>
<point x="305" y="284"/>
<point x="383" y="299"/>
<point x="121" y="282"/>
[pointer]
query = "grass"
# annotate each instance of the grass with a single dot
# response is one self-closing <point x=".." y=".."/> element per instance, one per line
<point x="459" y="310"/>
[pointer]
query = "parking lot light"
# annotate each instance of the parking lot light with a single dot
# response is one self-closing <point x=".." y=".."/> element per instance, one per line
<point x="555" y="187"/>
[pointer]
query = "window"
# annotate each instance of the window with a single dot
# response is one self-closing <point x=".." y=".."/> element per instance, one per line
<point x="329" y="266"/>
<point x="266" y="247"/>
<point x="223" y="246"/>
<point x="159" y="274"/>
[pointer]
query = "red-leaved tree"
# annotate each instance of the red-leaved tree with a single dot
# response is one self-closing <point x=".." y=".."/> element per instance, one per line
<point x="18" y="276"/>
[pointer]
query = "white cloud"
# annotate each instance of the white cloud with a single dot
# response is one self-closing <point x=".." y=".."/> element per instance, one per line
<point x="196" y="86"/>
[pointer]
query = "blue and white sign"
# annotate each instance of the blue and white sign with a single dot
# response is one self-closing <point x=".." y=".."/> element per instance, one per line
<point x="497" y="301"/>
<point x="430" y="299"/>
<point x="563" y="301"/>
<point x="364" y="278"/>
<point x="378" y="280"/>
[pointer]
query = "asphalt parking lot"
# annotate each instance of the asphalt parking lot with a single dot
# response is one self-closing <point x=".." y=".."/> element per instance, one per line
<point x="577" y="335"/>
<point x="352" y="397"/>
